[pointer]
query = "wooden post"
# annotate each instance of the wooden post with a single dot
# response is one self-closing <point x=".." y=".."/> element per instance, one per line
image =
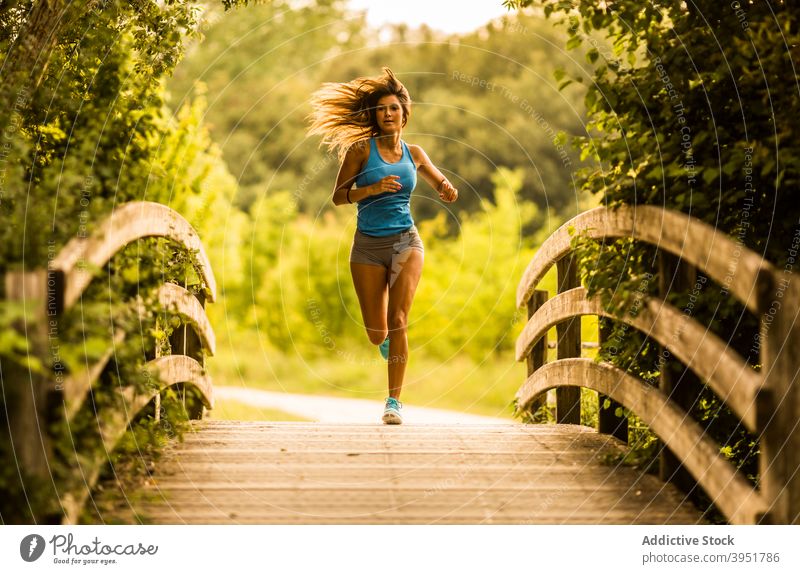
<point x="194" y="349"/>
<point x="780" y="363"/>
<point x="185" y="341"/>
<point x="607" y="420"/>
<point x="684" y="388"/>
<point x="538" y="354"/>
<point x="157" y="354"/>
<point x="568" y="399"/>
<point x="27" y="417"/>
<point x="29" y="392"/>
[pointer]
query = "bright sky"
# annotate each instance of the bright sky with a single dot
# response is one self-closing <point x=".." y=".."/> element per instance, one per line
<point x="446" y="15"/>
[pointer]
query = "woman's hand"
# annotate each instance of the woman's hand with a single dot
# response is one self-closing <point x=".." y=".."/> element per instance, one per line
<point x="390" y="184"/>
<point x="447" y="192"/>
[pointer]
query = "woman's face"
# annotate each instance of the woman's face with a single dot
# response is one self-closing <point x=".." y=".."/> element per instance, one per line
<point x="389" y="114"/>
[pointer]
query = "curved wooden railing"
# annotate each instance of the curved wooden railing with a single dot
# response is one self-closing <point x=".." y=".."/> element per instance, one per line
<point x="766" y="401"/>
<point x="48" y="293"/>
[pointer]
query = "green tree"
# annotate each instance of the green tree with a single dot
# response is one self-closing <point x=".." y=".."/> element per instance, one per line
<point x="259" y="83"/>
<point x="81" y="123"/>
<point x="695" y="109"/>
<point x="466" y="302"/>
<point x="82" y="129"/>
<point x="260" y="64"/>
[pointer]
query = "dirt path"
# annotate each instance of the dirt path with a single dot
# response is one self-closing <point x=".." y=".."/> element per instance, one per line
<point x="340" y="410"/>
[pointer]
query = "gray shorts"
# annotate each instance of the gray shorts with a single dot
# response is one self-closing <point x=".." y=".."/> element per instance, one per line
<point x="384" y="251"/>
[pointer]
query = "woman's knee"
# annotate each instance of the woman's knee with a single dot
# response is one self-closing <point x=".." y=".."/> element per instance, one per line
<point x="398" y="321"/>
<point x="376" y="336"/>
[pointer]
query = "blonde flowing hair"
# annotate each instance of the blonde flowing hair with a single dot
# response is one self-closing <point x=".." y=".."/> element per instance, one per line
<point x="344" y="114"/>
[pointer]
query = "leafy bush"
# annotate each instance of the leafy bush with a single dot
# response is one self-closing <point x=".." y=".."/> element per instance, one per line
<point x="694" y="108"/>
<point x="85" y="128"/>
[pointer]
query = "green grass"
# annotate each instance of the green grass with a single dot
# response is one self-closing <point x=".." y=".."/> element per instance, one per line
<point x="458" y="383"/>
<point x="354" y="369"/>
<point x="232" y="410"/>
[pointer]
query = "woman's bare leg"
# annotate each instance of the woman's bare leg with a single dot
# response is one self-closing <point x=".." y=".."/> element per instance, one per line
<point x="405" y="276"/>
<point x="371" y="283"/>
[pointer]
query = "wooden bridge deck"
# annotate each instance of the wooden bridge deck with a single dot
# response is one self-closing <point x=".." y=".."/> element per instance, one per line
<point x="307" y="473"/>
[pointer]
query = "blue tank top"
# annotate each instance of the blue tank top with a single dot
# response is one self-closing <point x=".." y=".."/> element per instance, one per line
<point x="386" y="213"/>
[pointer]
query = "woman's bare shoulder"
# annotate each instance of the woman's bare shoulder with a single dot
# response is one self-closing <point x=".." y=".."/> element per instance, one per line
<point x="418" y="154"/>
<point x="359" y="150"/>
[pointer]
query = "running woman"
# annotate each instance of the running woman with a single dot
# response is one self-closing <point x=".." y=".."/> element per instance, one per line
<point x="363" y="120"/>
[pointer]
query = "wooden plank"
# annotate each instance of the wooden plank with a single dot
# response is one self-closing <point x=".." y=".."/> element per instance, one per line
<point x="710" y="357"/>
<point x="221" y="481"/>
<point x="173" y="298"/>
<point x="684" y="389"/>
<point x="210" y="428"/>
<point x="127" y="223"/>
<point x="607" y="420"/>
<point x="729" y="490"/>
<point x="780" y="439"/>
<point x="175" y="369"/>
<point x="78" y="384"/>
<point x="181" y="302"/>
<point x="303" y="477"/>
<point x="568" y="399"/>
<point x="537" y="355"/>
<point x="34" y="289"/>
<point x="27" y="391"/>
<point x="169" y="370"/>
<point x="713" y="252"/>
<point x="340" y="444"/>
<point x="219" y="517"/>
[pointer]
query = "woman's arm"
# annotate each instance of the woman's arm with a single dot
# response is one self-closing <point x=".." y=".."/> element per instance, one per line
<point x="432" y="175"/>
<point x="354" y="160"/>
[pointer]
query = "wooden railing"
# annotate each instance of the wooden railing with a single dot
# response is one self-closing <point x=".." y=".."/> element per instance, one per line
<point x="45" y="398"/>
<point x="766" y="401"/>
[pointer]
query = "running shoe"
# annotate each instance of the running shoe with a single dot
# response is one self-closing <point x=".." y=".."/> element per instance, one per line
<point x="391" y="413"/>
<point x="384" y="349"/>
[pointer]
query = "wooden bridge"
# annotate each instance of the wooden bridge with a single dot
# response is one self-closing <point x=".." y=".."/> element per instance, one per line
<point x="233" y="472"/>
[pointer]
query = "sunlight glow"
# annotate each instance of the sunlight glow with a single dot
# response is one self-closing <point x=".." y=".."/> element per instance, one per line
<point x="451" y="16"/>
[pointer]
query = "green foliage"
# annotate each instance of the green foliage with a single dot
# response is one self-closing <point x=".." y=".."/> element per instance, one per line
<point x="695" y="109"/>
<point x="145" y="439"/>
<point x="85" y="129"/>
<point x="644" y="447"/>
<point x="83" y="139"/>
<point x="261" y="64"/>
<point x="304" y="298"/>
<point x="471" y="279"/>
<point x="688" y="123"/>
<point x="14" y="346"/>
<point x="628" y="267"/>
<point x="545" y="412"/>
<point x="486" y="99"/>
